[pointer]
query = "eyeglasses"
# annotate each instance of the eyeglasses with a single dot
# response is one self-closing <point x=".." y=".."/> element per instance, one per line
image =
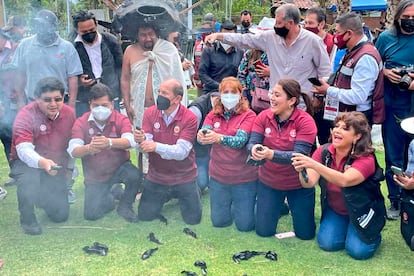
<point x="49" y="99"/>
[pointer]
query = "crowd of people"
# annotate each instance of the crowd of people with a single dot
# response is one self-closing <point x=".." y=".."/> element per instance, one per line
<point x="271" y="121"/>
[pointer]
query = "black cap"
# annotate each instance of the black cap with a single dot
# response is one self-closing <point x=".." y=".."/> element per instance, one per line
<point x="228" y="25"/>
<point x="45" y="17"/>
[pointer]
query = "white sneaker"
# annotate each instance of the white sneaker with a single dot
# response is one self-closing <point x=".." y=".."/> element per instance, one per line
<point x="3" y="193"/>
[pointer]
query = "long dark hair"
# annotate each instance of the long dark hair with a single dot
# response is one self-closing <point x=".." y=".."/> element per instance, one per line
<point x="292" y="89"/>
<point x="396" y="28"/>
<point x="359" y="123"/>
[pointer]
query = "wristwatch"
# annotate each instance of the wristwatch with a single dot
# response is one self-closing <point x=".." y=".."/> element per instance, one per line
<point x="110" y="143"/>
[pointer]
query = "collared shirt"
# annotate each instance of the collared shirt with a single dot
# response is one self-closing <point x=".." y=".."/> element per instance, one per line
<point x="94" y="53"/>
<point x="168" y="118"/>
<point x="37" y="61"/>
<point x="306" y="57"/>
<point x="363" y="80"/>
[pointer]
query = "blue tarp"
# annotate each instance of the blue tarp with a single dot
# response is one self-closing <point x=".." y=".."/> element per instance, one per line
<point x="369" y="5"/>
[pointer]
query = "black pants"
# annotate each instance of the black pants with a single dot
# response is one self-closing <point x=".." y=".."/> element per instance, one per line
<point x="99" y="200"/>
<point x="155" y="195"/>
<point x="37" y="188"/>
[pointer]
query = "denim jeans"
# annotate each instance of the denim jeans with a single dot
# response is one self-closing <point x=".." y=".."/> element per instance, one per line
<point x="336" y="233"/>
<point x="396" y="143"/>
<point x="301" y="205"/>
<point x="203" y="178"/>
<point x="233" y="202"/>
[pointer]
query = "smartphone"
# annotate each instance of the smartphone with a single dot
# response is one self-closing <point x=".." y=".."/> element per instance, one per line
<point x="137" y="128"/>
<point x="55" y="168"/>
<point x="397" y="171"/>
<point x="259" y="148"/>
<point x="99" y="134"/>
<point x="315" y="81"/>
<point x="259" y="63"/>
<point x="204" y="131"/>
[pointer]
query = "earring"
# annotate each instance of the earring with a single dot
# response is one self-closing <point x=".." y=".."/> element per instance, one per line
<point x="353" y="148"/>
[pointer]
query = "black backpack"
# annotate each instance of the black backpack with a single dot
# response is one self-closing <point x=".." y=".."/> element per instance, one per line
<point x="364" y="202"/>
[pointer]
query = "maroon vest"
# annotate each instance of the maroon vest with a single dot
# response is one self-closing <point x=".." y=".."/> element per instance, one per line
<point x="344" y="75"/>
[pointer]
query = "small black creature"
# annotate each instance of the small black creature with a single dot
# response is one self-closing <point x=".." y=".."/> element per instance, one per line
<point x="270" y="255"/>
<point x="163" y="219"/>
<point x="152" y="238"/>
<point x="245" y="255"/>
<point x="201" y="264"/>
<point x="188" y="273"/>
<point x="188" y="231"/>
<point x="148" y="253"/>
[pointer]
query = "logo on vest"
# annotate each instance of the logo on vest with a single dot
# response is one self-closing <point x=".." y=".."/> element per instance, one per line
<point x="293" y="133"/>
<point x="268" y="130"/>
<point x="42" y="127"/>
<point x="176" y="129"/>
<point x="157" y="125"/>
<point x="91" y="131"/>
<point x="217" y="125"/>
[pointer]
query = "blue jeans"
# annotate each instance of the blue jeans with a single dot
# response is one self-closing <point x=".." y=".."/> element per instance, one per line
<point x="336" y="233"/>
<point x="203" y="178"/>
<point x="396" y="143"/>
<point x="235" y="201"/>
<point x="301" y="205"/>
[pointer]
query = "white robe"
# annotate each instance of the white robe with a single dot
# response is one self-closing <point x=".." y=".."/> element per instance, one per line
<point x="167" y="64"/>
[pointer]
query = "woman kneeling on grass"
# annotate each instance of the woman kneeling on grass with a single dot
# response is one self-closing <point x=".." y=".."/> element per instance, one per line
<point x="353" y="211"/>
<point x="233" y="183"/>
<point x="277" y="133"/>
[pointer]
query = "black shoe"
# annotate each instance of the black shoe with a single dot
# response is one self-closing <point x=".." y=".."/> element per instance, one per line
<point x="93" y="250"/>
<point x="98" y="245"/>
<point x="32" y="228"/>
<point x="127" y="213"/>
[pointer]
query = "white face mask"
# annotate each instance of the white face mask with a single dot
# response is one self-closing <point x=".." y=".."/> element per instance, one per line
<point x="230" y="100"/>
<point x="101" y="113"/>
<point x="225" y="46"/>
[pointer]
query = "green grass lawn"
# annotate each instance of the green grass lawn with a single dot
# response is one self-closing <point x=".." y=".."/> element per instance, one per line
<point x="59" y="250"/>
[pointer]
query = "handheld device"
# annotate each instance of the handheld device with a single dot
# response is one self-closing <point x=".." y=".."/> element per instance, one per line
<point x="259" y="148"/>
<point x="315" y="81"/>
<point x="258" y="63"/>
<point x="99" y="134"/>
<point x="55" y="168"/>
<point x="397" y="171"/>
<point x="304" y="174"/>
<point x="137" y="128"/>
<point x="204" y="131"/>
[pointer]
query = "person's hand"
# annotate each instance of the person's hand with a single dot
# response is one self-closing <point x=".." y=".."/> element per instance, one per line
<point x="86" y="81"/>
<point x="210" y="39"/>
<point x="148" y="146"/>
<point x="47" y="164"/>
<point x="208" y="137"/>
<point x="262" y="71"/>
<point x="322" y="88"/>
<point x="139" y="136"/>
<point x="186" y="64"/>
<point x="260" y="152"/>
<point x="100" y="143"/>
<point x="301" y="161"/>
<point x="404" y="181"/>
<point x="411" y="87"/>
<point x="392" y="75"/>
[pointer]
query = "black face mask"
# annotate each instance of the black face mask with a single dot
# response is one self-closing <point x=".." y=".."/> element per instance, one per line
<point x="163" y="103"/>
<point x="282" y="32"/>
<point x="407" y="25"/>
<point x="245" y="24"/>
<point x="89" y="37"/>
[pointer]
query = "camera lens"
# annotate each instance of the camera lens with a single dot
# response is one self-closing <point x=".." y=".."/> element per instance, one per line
<point x="405" y="82"/>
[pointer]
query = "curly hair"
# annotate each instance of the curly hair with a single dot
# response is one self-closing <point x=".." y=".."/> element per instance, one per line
<point x="359" y="123"/>
<point x="235" y="84"/>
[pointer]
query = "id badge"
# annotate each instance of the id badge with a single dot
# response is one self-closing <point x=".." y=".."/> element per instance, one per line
<point x="331" y="108"/>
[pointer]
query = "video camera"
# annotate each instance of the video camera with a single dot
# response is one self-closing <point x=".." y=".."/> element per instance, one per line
<point x="405" y="78"/>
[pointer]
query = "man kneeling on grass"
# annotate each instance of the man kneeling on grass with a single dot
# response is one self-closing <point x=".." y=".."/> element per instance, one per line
<point x="168" y="132"/>
<point x="101" y="138"/>
<point x="38" y="159"/>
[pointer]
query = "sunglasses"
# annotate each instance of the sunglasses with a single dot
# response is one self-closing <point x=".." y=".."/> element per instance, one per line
<point x="49" y="99"/>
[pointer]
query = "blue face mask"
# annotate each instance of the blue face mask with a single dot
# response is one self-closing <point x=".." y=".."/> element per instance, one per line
<point x="101" y="113"/>
<point x="230" y="100"/>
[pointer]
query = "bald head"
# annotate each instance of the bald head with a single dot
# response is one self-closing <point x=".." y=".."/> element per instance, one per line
<point x="174" y="86"/>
